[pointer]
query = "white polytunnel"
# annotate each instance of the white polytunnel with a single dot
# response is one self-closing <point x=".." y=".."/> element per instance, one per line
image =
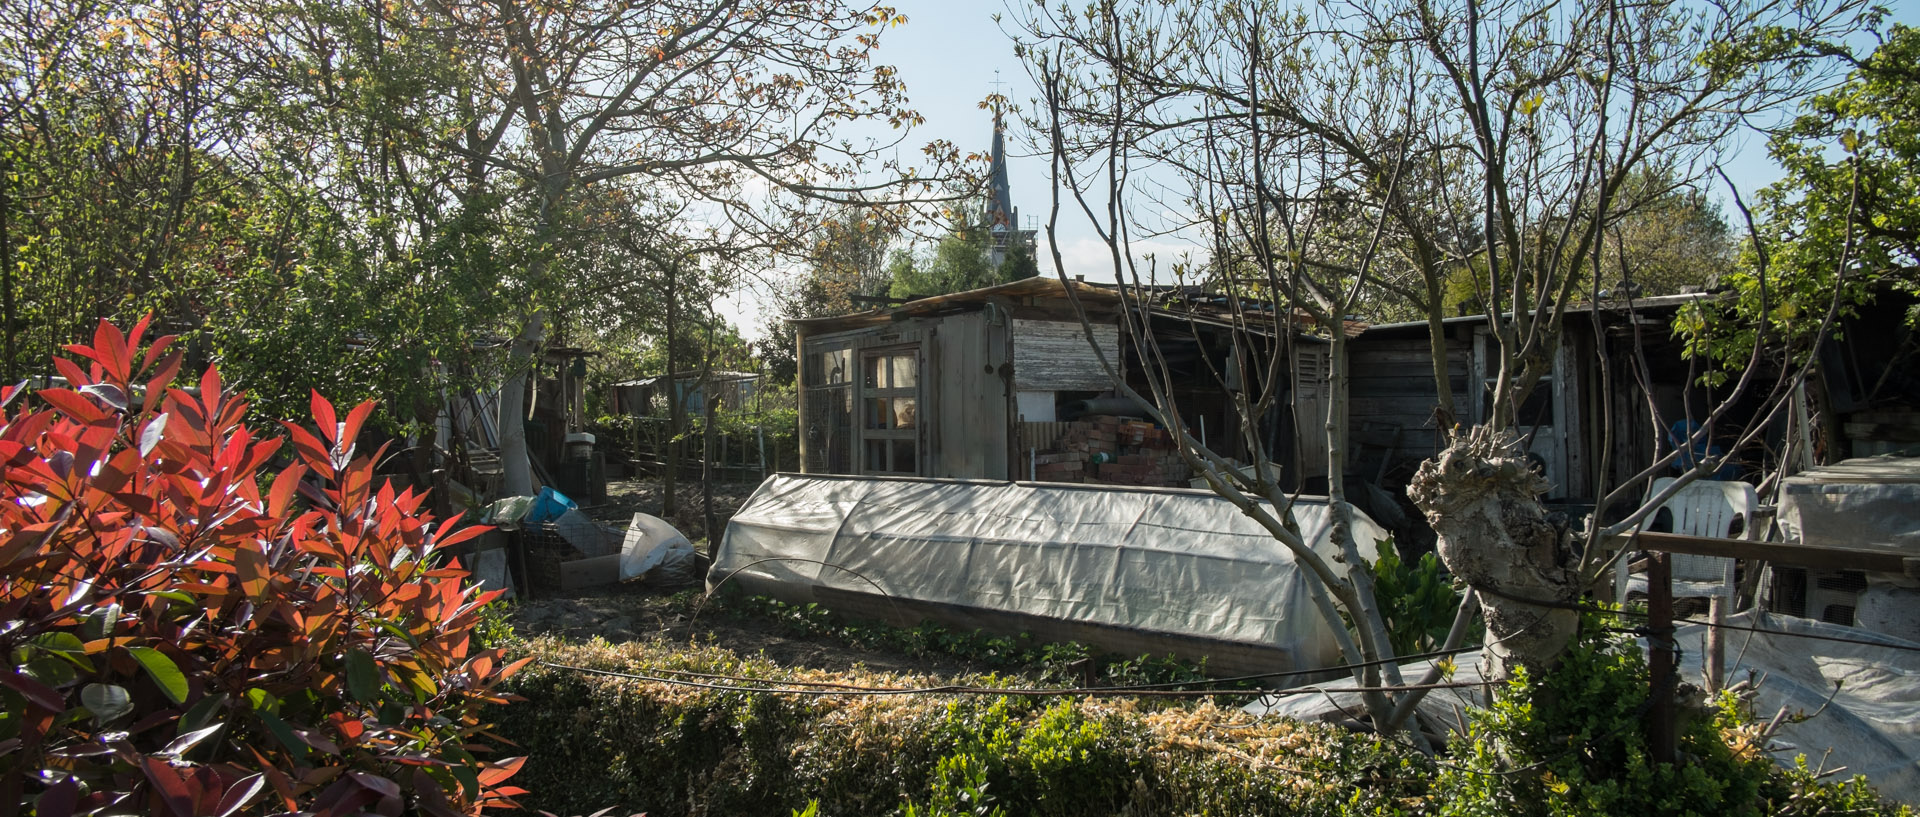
<point x="1129" y="570"/>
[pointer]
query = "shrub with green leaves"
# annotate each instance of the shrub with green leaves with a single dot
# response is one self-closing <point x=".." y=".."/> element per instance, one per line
<point x="1574" y="743"/>
<point x="1417" y="601"/>
<point x="183" y="639"/>
<point x="596" y="741"/>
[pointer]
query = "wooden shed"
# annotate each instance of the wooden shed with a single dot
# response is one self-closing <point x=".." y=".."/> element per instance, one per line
<point x="995" y="383"/>
<point x="1578" y="411"/>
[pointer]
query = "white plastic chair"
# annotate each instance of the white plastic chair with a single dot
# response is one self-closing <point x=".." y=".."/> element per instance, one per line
<point x="1704" y="507"/>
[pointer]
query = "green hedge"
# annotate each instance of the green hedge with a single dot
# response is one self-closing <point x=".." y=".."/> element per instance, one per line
<point x="596" y="741"/>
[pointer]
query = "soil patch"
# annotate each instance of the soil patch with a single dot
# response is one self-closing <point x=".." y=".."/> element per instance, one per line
<point x="628" y="497"/>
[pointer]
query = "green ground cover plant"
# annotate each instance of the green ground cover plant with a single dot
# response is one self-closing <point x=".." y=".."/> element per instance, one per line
<point x="671" y="749"/>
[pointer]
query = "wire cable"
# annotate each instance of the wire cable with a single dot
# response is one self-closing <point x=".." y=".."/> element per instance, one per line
<point x="823" y="688"/>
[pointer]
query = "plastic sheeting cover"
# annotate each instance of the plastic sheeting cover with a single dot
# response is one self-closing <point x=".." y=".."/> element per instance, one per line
<point x="648" y="543"/>
<point x="1869" y="502"/>
<point x="1173" y="561"/>
<point x="1871" y="726"/>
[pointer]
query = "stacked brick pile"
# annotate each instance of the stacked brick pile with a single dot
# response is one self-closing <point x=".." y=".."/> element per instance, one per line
<point x="1112" y="451"/>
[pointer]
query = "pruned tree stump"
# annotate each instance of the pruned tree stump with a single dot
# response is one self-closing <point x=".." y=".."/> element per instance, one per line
<point x="1483" y="500"/>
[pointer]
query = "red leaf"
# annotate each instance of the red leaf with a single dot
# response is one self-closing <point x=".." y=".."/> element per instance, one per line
<point x="140" y="331"/>
<point x="250" y="566"/>
<point x="324" y="416"/>
<point x="356" y="419"/>
<point x="157" y="385"/>
<point x="310" y="450"/>
<point x="160" y="344"/>
<point x="39" y="694"/>
<point x="210" y="391"/>
<point x="71" y="404"/>
<point x="173" y="790"/>
<point x="240" y="794"/>
<point x="93" y="372"/>
<point x="461" y="535"/>
<point x="59" y="799"/>
<point x="112" y="347"/>
<point x="495" y="772"/>
<point x="70" y="370"/>
<point x="282" y="492"/>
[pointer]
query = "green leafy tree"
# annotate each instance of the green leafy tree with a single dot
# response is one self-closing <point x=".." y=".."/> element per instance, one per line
<point x="1843" y="226"/>
<point x="959" y="261"/>
<point x="846" y="254"/>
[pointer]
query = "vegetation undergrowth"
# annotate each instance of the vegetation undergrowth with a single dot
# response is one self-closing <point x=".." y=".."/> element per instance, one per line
<point x="669" y="749"/>
<point x="1064" y="664"/>
<point x="1570" y="743"/>
<point x="1574" y="742"/>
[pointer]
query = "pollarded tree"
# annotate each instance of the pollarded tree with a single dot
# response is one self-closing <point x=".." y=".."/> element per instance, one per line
<point x="1454" y="134"/>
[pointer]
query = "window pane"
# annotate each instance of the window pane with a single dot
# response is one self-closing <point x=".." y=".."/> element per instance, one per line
<point x="875" y="372"/>
<point x="905" y="374"/>
<point x="903" y="457"/>
<point x="879" y="413"/>
<point x="905" y="412"/>
<point x="830" y="431"/>
<point x="835" y="365"/>
<point x="877" y="455"/>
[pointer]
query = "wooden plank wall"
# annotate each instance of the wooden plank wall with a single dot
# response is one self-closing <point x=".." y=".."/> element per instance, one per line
<point x="1040" y="436"/>
<point x="967" y="396"/>
<point x="1391" y="386"/>
<point x="1055" y="356"/>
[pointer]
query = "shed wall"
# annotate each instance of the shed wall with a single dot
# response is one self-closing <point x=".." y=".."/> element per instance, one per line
<point x="1055" y="355"/>
<point x="969" y="396"/>
<point x="1391" y="388"/>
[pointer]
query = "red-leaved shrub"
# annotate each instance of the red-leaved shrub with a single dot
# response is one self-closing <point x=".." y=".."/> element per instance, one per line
<point x="181" y="639"/>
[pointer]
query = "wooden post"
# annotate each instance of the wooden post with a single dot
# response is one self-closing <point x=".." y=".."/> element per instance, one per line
<point x="1715" y="665"/>
<point x="1660" y="663"/>
<point x="706" y="464"/>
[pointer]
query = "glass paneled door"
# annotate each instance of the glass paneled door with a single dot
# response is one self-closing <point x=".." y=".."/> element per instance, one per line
<point x="890" y="411"/>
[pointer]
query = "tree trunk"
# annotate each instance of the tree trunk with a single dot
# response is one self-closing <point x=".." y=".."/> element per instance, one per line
<point x="516" y="469"/>
<point x="1371" y="630"/>
<point x="7" y="311"/>
<point x="1482" y="499"/>
<point x="676" y="408"/>
<point x="1445" y="412"/>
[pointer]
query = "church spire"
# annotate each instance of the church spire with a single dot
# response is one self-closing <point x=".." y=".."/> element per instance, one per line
<point x="1003" y="221"/>
<point x="1000" y="213"/>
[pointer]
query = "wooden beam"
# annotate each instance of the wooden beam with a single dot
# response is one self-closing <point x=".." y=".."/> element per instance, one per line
<point x="1661" y="660"/>
<point x="1785" y="553"/>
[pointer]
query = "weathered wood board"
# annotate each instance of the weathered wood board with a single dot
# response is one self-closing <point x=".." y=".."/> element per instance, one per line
<point x="1055" y="356"/>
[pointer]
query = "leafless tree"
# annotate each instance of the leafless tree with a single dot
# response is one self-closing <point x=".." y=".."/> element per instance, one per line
<point x="1342" y="151"/>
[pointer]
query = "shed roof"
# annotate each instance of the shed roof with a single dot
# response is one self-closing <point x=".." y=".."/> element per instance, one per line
<point x="1183" y="302"/>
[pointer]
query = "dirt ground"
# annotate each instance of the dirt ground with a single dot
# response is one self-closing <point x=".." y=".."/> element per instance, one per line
<point x="627" y="497"/>
<point x="635" y="612"/>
